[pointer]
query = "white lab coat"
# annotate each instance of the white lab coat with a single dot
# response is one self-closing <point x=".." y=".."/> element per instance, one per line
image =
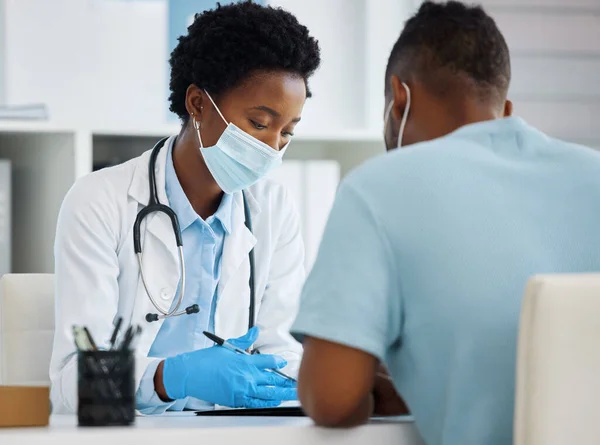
<point x="98" y="279"/>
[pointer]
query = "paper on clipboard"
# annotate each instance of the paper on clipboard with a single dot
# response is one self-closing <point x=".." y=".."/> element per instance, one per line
<point x="286" y="409"/>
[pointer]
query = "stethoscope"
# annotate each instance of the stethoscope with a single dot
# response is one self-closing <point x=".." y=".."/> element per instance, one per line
<point x="154" y="205"/>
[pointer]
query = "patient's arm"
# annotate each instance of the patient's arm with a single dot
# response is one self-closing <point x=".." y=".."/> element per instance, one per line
<point x="341" y="386"/>
<point x="387" y="400"/>
<point x="335" y="383"/>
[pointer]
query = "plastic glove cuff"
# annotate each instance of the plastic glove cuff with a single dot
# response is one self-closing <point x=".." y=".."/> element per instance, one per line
<point x="175" y="377"/>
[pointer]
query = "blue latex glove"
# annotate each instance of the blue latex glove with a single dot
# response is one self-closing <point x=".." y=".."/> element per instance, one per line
<point x="218" y="375"/>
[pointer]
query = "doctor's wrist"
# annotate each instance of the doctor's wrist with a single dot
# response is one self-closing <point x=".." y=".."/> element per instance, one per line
<point x="159" y="385"/>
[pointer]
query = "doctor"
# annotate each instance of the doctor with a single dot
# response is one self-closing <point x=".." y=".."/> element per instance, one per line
<point x="238" y="83"/>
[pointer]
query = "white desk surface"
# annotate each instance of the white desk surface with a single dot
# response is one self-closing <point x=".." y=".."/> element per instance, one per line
<point x="192" y="430"/>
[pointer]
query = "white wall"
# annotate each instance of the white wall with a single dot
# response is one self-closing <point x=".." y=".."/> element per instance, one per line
<point x="555" y="51"/>
<point x="339" y="93"/>
<point x="2" y="56"/>
<point x="95" y="63"/>
<point x="103" y="63"/>
<point x="356" y="37"/>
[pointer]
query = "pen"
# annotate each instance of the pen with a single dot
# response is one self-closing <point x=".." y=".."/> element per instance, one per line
<point x="219" y="341"/>
<point x="127" y="338"/>
<point x="90" y="339"/>
<point x="131" y="334"/>
<point x="135" y="336"/>
<point x="113" y="337"/>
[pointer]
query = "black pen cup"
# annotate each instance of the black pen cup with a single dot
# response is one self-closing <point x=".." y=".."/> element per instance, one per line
<point x="106" y="388"/>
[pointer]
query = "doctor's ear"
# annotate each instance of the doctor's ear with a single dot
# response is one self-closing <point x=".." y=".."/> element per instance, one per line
<point x="194" y="102"/>
<point x="400" y="97"/>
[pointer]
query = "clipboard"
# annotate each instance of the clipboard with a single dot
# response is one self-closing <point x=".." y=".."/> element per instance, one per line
<point x="283" y="411"/>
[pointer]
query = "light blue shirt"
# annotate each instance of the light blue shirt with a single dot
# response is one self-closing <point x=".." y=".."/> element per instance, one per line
<point x="425" y="258"/>
<point x="202" y="247"/>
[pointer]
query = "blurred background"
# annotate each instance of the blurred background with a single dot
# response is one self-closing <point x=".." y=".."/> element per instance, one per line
<point x="84" y="85"/>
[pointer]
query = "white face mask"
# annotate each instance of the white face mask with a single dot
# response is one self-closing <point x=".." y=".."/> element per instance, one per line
<point x="238" y="159"/>
<point x="404" y="116"/>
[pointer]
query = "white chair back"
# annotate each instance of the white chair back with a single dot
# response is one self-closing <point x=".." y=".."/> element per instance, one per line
<point x="26" y="328"/>
<point x="558" y="364"/>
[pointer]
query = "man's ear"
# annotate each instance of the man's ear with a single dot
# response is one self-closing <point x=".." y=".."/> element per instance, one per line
<point x="400" y="97"/>
<point x="508" y="108"/>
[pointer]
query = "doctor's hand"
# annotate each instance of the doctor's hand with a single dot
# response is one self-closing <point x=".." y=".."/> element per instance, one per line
<point x="218" y="375"/>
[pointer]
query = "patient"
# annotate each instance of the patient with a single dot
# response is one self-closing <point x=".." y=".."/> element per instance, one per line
<point x="428" y="247"/>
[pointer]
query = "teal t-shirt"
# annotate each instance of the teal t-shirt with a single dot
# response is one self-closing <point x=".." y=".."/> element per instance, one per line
<point x="425" y="257"/>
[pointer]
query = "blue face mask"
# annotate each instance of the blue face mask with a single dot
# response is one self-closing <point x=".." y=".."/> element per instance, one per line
<point x="238" y="159"/>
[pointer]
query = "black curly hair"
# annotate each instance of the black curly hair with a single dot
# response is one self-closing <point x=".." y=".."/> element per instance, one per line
<point x="452" y="38"/>
<point x="226" y="45"/>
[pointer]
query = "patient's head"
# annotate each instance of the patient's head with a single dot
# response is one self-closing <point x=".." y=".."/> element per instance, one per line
<point x="456" y="63"/>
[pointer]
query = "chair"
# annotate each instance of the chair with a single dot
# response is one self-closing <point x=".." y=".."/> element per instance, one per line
<point x="26" y="328"/>
<point x="558" y="362"/>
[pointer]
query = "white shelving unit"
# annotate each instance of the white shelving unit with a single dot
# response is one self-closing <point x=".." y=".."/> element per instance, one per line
<point x="47" y="159"/>
<point x="112" y="104"/>
<point x="44" y="165"/>
<point x="349" y="149"/>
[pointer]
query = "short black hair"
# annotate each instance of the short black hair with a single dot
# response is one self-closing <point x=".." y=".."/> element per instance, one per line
<point x="445" y="42"/>
<point x="226" y="45"/>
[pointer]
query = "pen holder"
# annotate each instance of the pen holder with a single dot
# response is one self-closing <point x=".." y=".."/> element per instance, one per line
<point x="106" y="388"/>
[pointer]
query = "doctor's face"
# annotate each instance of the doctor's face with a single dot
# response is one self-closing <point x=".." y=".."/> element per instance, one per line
<point x="267" y="106"/>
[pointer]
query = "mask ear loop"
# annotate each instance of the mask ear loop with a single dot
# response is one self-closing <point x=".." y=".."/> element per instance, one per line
<point x="388" y="109"/>
<point x="197" y="127"/>
<point x="404" y="115"/>
<point x="216" y="108"/>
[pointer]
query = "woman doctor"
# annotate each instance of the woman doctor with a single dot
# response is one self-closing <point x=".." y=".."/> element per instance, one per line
<point x="238" y="83"/>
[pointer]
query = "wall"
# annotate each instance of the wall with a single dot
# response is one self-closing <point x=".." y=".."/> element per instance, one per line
<point x="2" y="56"/>
<point x="103" y="63"/>
<point x="96" y="63"/>
<point x="555" y="50"/>
<point x="356" y="37"/>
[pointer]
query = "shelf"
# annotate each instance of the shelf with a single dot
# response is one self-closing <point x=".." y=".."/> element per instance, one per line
<point x="43" y="167"/>
<point x="157" y="132"/>
<point x="345" y="136"/>
<point x="167" y="130"/>
<point x="33" y="126"/>
<point x="349" y="149"/>
<point x="8" y="126"/>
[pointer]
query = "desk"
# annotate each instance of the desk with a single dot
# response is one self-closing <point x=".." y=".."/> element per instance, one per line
<point x="190" y="430"/>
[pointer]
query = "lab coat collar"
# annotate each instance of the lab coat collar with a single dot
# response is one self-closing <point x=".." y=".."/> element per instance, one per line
<point x="240" y="241"/>
<point x="156" y="224"/>
<point x="253" y="204"/>
<point x="140" y="188"/>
